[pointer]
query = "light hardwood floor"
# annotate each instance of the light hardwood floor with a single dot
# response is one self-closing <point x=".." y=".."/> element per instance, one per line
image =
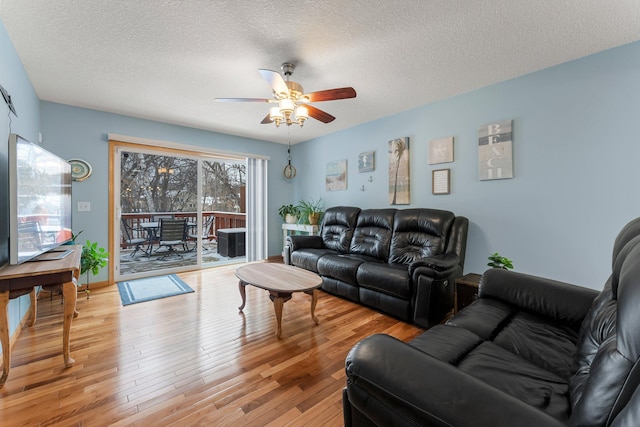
<point x="189" y="360"/>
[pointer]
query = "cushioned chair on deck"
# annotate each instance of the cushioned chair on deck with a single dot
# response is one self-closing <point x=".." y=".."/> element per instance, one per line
<point x="172" y="233"/>
<point x="129" y="236"/>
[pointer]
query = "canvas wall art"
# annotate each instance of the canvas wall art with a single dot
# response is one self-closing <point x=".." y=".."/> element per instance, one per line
<point x="336" y="175"/>
<point x="495" y="150"/>
<point x="399" y="171"/>
<point x="367" y="161"/>
<point x="441" y="150"/>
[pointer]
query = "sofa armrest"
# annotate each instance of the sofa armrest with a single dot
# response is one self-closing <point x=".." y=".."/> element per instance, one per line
<point x="296" y="242"/>
<point x="559" y="300"/>
<point x="442" y="262"/>
<point x="392" y="383"/>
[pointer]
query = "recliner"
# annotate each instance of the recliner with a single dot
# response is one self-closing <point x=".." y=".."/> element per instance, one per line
<point x="399" y="261"/>
<point x="529" y="352"/>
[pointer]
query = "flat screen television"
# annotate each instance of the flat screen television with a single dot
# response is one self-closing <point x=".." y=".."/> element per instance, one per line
<point x="39" y="200"/>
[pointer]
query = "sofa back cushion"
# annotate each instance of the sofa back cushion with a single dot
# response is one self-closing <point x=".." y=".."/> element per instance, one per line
<point x="372" y="235"/>
<point x="607" y="360"/>
<point x="337" y="228"/>
<point x="419" y="233"/>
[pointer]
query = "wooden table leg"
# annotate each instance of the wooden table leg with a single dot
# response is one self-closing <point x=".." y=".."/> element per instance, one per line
<point x="4" y="336"/>
<point x="314" y="301"/>
<point x="70" y="294"/>
<point x="279" y="298"/>
<point x="34" y="308"/>
<point x="278" y="303"/>
<point x="243" y="294"/>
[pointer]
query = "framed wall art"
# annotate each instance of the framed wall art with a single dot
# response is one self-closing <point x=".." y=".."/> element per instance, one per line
<point x="495" y="150"/>
<point x="336" y="176"/>
<point x="441" y="150"/>
<point x="399" y="171"/>
<point x="367" y="161"/>
<point x="441" y="181"/>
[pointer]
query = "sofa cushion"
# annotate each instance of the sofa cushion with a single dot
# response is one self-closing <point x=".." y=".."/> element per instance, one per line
<point x="337" y="228"/>
<point x="543" y="342"/>
<point x="484" y="317"/>
<point x="390" y="279"/>
<point x="372" y="235"/>
<point x="308" y="258"/>
<point x="517" y="377"/>
<point x="419" y="233"/>
<point x="342" y="267"/>
<point x="447" y="343"/>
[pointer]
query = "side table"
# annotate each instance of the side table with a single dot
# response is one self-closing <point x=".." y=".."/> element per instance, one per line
<point x="466" y="291"/>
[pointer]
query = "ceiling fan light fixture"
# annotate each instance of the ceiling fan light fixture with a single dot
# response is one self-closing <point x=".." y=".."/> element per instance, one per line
<point x="291" y="100"/>
<point x="286" y="106"/>
<point x="302" y="114"/>
<point x="276" y="115"/>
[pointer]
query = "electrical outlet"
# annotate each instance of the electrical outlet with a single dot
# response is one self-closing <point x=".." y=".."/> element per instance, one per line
<point x="84" y="206"/>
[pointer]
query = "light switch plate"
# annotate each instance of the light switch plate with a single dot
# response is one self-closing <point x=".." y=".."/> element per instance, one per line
<point x="84" y="206"/>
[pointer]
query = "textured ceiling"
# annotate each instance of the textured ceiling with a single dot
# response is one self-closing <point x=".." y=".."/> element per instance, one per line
<point x="167" y="60"/>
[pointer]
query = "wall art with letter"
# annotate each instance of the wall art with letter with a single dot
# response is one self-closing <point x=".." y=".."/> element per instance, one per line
<point x="399" y="171"/>
<point x="495" y="150"/>
<point x="336" y="176"/>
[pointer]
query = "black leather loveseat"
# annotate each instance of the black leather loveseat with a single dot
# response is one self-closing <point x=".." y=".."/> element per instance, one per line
<point x="400" y="261"/>
<point x="528" y="352"/>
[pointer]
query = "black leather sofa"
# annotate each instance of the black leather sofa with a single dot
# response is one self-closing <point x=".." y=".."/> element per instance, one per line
<point x="400" y="261"/>
<point x="529" y="352"/>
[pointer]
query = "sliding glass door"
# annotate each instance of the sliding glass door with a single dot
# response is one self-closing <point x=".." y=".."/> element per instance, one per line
<point x="169" y="208"/>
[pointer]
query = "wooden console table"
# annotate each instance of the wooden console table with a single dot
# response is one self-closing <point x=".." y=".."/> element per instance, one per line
<point x="18" y="280"/>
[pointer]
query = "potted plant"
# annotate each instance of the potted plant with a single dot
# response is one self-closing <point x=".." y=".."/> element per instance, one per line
<point x="289" y="213"/>
<point x="92" y="260"/>
<point x="311" y="210"/>
<point x="497" y="261"/>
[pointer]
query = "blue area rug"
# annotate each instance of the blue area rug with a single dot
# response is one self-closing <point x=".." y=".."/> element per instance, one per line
<point x="150" y="288"/>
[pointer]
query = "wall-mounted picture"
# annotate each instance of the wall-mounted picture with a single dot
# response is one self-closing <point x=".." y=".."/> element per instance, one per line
<point x="441" y="181"/>
<point x="441" y="150"/>
<point x="495" y="150"/>
<point x="399" y="171"/>
<point x="367" y="161"/>
<point x="336" y="176"/>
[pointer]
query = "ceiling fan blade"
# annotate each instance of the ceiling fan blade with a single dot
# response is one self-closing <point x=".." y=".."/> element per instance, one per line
<point x="331" y="94"/>
<point x="319" y="114"/>
<point x="266" y="120"/>
<point x="242" y="100"/>
<point x="275" y="80"/>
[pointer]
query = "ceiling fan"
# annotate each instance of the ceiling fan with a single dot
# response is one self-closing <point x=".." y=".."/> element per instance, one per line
<point x="292" y="103"/>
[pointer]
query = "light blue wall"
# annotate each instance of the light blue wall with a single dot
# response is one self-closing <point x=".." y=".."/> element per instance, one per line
<point x="14" y="79"/>
<point x="576" y="165"/>
<point x="73" y="132"/>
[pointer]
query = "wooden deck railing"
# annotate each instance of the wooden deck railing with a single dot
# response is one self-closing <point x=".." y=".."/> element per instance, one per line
<point x="212" y="220"/>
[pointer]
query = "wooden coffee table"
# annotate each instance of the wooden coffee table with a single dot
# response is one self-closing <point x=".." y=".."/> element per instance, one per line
<point x="281" y="281"/>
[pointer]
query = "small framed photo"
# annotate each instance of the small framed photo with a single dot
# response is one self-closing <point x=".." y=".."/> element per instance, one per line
<point x="367" y="161"/>
<point x="441" y="181"/>
<point x="441" y="150"/>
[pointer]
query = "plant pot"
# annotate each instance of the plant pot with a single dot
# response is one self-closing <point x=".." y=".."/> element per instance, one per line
<point x="313" y="218"/>
<point x="290" y="219"/>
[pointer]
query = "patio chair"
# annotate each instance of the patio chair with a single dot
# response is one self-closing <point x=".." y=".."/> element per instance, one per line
<point x="129" y="236"/>
<point x="192" y="236"/>
<point x="171" y="234"/>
